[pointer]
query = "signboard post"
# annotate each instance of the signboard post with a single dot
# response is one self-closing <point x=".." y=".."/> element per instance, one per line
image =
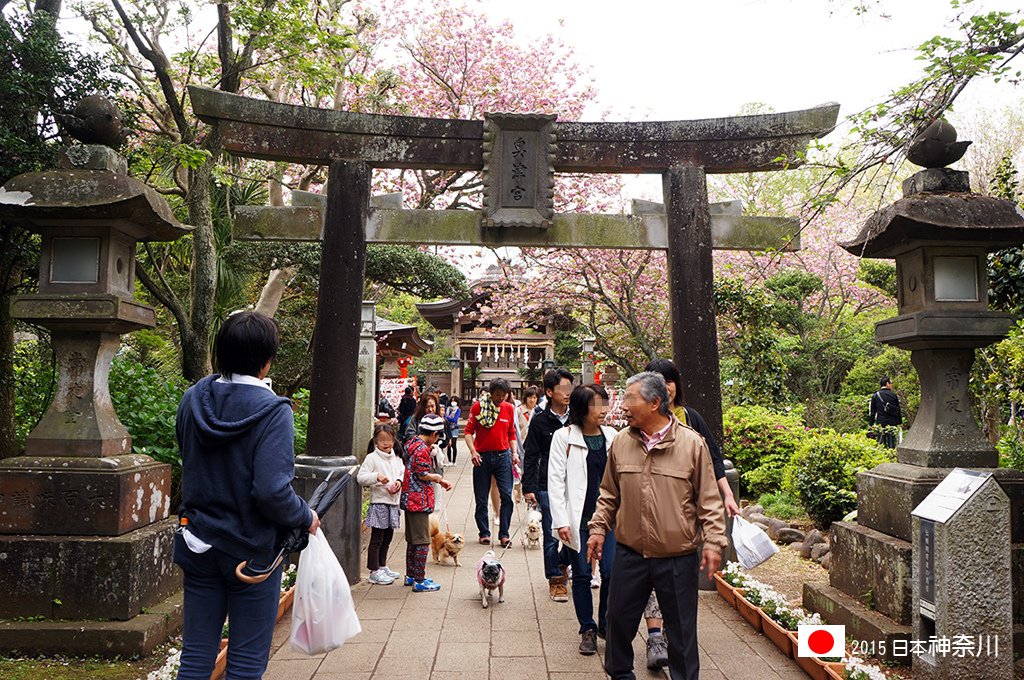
<point x="963" y="600"/>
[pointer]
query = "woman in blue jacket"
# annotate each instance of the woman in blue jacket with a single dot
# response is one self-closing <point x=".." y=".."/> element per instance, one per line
<point x="236" y="439"/>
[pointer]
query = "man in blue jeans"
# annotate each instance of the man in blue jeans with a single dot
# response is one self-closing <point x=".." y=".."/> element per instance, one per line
<point x="237" y="462"/>
<point x="558" y="388"/>
<point x="491" y="439"/>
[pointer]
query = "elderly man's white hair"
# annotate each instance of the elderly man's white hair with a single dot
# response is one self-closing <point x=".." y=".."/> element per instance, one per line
<point x="652" y="386"/>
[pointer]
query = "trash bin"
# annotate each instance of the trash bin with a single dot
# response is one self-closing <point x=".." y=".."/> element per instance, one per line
<point x="343" y="521"/>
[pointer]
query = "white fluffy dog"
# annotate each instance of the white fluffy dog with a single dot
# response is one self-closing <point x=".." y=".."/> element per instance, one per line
<point x="533" y="534"/>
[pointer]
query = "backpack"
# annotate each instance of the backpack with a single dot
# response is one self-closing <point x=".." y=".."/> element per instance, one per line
<point x="889" y="408"/>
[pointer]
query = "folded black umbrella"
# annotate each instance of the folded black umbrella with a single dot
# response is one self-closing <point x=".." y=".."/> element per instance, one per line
<point x="297" y="538"/>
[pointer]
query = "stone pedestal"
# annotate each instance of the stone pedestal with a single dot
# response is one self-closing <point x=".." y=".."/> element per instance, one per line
<point x="343" y="521"/>
<point x="87" y="577"/>
<point x="78" y="496"/>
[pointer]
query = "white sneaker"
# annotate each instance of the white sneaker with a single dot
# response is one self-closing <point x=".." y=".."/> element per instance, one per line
<point x="595" y="582"/>
<point x="392" y="574"/>
<point x="381" y="578"/>
<point x="497" y="520"/>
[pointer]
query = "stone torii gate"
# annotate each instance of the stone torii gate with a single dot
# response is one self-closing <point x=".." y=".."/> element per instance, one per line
<point x="518" y="155"/>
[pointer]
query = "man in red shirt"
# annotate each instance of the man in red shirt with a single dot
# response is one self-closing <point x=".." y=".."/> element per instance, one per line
<point x="491" y="440"/>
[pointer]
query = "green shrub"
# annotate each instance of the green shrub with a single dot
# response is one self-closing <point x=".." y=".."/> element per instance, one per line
<point x="781" y="506"/>
<point x="147" y="403"/>
<point x="33" y="385"/>
<point x="301" y="399"/>
<point x="760" y="442"/>
<point x="823" y="472"/>
<point x="1011" y="449"/>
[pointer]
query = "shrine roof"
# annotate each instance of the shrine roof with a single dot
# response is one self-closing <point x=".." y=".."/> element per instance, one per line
<point x="397" y="338"/>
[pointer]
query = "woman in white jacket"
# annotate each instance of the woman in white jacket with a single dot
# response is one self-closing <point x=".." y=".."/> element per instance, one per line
<point x="382" y="472"/>
<point x="576" y="465"/>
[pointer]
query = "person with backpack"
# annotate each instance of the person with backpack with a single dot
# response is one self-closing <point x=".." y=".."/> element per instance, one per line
<point x="884" y="411"/>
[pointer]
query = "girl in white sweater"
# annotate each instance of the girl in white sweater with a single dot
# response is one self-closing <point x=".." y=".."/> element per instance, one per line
<point x="382" y="472"/>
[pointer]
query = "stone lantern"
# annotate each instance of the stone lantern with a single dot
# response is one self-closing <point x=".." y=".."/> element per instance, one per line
<point x="84" y="532"/>
<point x="939" y="233"/>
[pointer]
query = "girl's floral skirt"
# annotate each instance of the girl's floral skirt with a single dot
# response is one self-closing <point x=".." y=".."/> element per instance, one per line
<point x="383" y="516"/>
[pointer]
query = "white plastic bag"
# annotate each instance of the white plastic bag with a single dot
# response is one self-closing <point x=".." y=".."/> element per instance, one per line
<point x="752" y="544"/>
<point x="324" y="614"/>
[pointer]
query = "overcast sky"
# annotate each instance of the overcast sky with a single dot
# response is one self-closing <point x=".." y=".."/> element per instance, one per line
<point x="656" y="59"/>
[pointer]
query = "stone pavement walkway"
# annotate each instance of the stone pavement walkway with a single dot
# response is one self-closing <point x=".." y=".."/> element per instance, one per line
<point x="448" y="635"/>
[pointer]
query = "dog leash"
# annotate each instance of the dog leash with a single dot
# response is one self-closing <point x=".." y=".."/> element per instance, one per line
<point x="521" y="520"/>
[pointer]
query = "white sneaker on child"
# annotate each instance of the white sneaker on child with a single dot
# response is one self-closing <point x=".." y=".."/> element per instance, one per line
<point x="392" y="574"/>
<point x="381" y="578"/>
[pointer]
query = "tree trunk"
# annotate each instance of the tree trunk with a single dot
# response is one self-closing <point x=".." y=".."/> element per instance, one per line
<point x="195" y="341"/>
<point x="277" y="283"/>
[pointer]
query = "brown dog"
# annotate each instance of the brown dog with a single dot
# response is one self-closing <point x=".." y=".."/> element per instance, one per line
<point x="444" y="544"/>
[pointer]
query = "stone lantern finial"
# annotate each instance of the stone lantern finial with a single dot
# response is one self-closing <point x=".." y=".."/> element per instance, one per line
<point x="95" y="120"/>
<point x="936" y="147"/>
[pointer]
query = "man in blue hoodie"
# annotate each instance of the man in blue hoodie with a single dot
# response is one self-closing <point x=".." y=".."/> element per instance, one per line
<point x="236" y="438"/>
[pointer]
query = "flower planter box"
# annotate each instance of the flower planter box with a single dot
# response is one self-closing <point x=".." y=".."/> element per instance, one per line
<point x="221" y="665"/>
<point x="749" y="612"/>
<point x="818" y="670"/>
<point x="778" y="635"/>
<point x="727" y="591"/>
<point x="836" y="671"/>
<point x="287" y="598"/>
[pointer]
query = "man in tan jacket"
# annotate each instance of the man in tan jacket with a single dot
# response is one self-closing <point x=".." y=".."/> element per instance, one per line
<point x="657" y="484"/>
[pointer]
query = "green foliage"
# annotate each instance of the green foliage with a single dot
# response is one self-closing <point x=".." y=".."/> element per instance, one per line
<point x="757" y="373"/>
<point x="568" y="350"/>
<point x="781" y="506"/>
<point x="411" y="270"/>
<point x="1011" y="449"/>
<point x="301" y="399"/>
<point x="879" y="273"/>
<point x="41" y="77"/>
<point x="823" y="473"/>
<point x="33" y="385"/>
<point x="1006" y="267"/>
<point x="760" y="442"/>
<point x="147" y="403"/>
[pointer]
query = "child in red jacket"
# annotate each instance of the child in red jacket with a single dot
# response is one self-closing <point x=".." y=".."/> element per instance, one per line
<point x="418" y="500"/>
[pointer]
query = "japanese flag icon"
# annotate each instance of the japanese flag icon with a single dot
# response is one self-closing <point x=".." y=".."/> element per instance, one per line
<point x="821" y="641"/>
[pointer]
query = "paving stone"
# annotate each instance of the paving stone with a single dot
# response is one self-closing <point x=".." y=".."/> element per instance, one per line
<point x="462" y="656"/>
<point x="353" y="657"/>
<point x="517" y="643"/>
<point x="292" y="669"/>
<point x="533" y="668"/>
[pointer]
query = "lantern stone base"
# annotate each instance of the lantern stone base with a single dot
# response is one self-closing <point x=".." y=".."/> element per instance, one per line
<point x="137" y="637"/>
<point x="871" y="568"/>
<point x="87" y="577"/>
<point x="64" y="496"/>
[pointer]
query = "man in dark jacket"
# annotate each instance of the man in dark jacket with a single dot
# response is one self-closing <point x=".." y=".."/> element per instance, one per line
<point x="406" y="407"/>
<point x="236" y="439"/>
<point x="555" y="416"/>
<point x="884" y="411"/>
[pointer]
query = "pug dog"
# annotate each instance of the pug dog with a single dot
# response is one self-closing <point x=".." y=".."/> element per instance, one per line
<point x="444" y="544"/>
<point x="532" y="534"/>
<point x="491" y="576"/>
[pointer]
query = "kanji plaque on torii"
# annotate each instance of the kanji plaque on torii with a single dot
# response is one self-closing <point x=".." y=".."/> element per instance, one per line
<point x="519" y="170"/>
